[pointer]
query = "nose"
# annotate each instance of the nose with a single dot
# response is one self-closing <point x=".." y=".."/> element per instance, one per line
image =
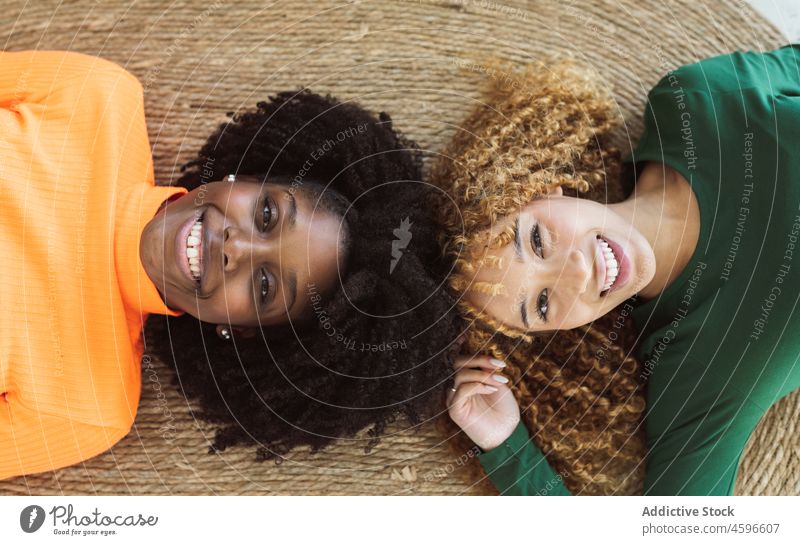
<point x="571" y="275"/>
<point x="242" y="248"/>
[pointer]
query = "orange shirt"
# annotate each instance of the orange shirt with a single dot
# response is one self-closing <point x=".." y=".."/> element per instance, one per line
<point x="77" y="184"/>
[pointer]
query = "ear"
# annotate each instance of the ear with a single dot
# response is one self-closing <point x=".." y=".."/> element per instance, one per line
<point x="241" y="332"/>
<point x="550" y="191"/>
<point x="244" y="332"/>
<point x="555" y="191"/>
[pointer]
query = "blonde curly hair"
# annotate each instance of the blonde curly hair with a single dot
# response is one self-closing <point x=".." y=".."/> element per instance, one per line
<point x="544" y="126"/>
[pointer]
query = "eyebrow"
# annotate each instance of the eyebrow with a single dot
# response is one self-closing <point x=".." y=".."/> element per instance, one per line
<point x="517" y="240"/>
<point x="292" y="208"/>
<point x="292" y="275"/>
<point x="523" y="311"/>
<point x="291" y="279"/>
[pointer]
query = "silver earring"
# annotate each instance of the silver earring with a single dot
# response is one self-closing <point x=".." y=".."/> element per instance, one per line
<point x="231" y="178"/>
<point x="226" y="334"/>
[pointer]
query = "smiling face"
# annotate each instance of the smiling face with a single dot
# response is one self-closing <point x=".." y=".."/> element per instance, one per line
<point x="555" y="269"/>
<point x="260" y="246"/>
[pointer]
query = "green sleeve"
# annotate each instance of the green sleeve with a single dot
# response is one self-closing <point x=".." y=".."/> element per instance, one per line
<point x="518" y="468"/>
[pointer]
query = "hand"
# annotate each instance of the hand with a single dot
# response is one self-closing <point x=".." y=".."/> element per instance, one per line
<point x="482" y="406"/>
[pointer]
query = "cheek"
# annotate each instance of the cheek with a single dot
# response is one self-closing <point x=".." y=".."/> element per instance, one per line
<point x="583" y="314"/>
<point x="233" y="300"/>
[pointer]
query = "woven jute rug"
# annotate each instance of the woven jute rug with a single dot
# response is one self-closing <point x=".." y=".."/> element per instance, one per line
<point x="417" y="61"/>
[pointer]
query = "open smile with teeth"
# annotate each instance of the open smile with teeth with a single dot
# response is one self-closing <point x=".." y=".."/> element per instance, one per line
<point x="612" y="266"/>
<point x="193" y="249"/>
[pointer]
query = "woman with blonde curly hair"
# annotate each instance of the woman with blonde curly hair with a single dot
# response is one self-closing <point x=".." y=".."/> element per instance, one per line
<point x="702" y="272"/>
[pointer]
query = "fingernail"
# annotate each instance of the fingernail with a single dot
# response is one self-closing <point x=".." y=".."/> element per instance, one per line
<point x="497" y="363"/>
<point x="492" y="388"/>
<point x="500" y="378"/>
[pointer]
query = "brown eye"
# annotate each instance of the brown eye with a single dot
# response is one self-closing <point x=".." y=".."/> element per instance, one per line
<point x="542" y="303"/>
<point x="536" y="241"/>
<point x="264" y="287"/>
<point x="268" y="213"/>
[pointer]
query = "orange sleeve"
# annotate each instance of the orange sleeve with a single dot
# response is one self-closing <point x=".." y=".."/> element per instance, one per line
<point x="32" y="442"/>
<point x="32" y="76"/>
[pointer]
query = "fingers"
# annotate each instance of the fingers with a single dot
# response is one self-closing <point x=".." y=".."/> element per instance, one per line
<point x="458" y="399"/>
<point x="478" y="361"/>
<point x="490" y="378"/>
<point x="480" y="371"/>
<point x="466" y="377"/>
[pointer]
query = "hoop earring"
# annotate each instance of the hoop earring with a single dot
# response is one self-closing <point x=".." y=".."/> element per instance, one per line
<point x="226" y="334"/>
<point x="231" y="178"/>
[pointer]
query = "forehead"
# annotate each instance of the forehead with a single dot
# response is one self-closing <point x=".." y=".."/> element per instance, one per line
<point x="560" y="213"/>
<point x="494" y="283"/>
<point x="537" y="207"/>
<point x="549" y="206"/>
<point x="315" y="240"/>
<point x="316" y="249"/>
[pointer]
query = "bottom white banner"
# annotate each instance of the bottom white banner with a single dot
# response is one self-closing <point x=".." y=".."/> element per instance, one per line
<point x="396" y="520"/>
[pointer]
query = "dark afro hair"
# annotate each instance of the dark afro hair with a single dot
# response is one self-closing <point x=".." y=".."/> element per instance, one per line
<point x="381" y="345"/>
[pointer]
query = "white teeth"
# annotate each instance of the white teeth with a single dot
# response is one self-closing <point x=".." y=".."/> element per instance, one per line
<point x="612" y="267"/>
<point x="193" y="249"/>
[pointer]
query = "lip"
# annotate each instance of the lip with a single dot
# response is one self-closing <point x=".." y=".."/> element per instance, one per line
<point x="204" y="246"/>
<point x="180" y="250"/>
<point x="624" y="265"/>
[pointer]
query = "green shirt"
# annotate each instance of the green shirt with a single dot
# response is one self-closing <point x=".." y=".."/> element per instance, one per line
<point x="719" y="345"/>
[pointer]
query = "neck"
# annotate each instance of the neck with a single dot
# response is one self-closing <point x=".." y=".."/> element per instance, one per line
<point x="658" y="194"/>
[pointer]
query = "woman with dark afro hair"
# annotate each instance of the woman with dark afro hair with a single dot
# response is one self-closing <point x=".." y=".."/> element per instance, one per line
<point x="367" y="339"/>
<point x="290" y="277"/>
